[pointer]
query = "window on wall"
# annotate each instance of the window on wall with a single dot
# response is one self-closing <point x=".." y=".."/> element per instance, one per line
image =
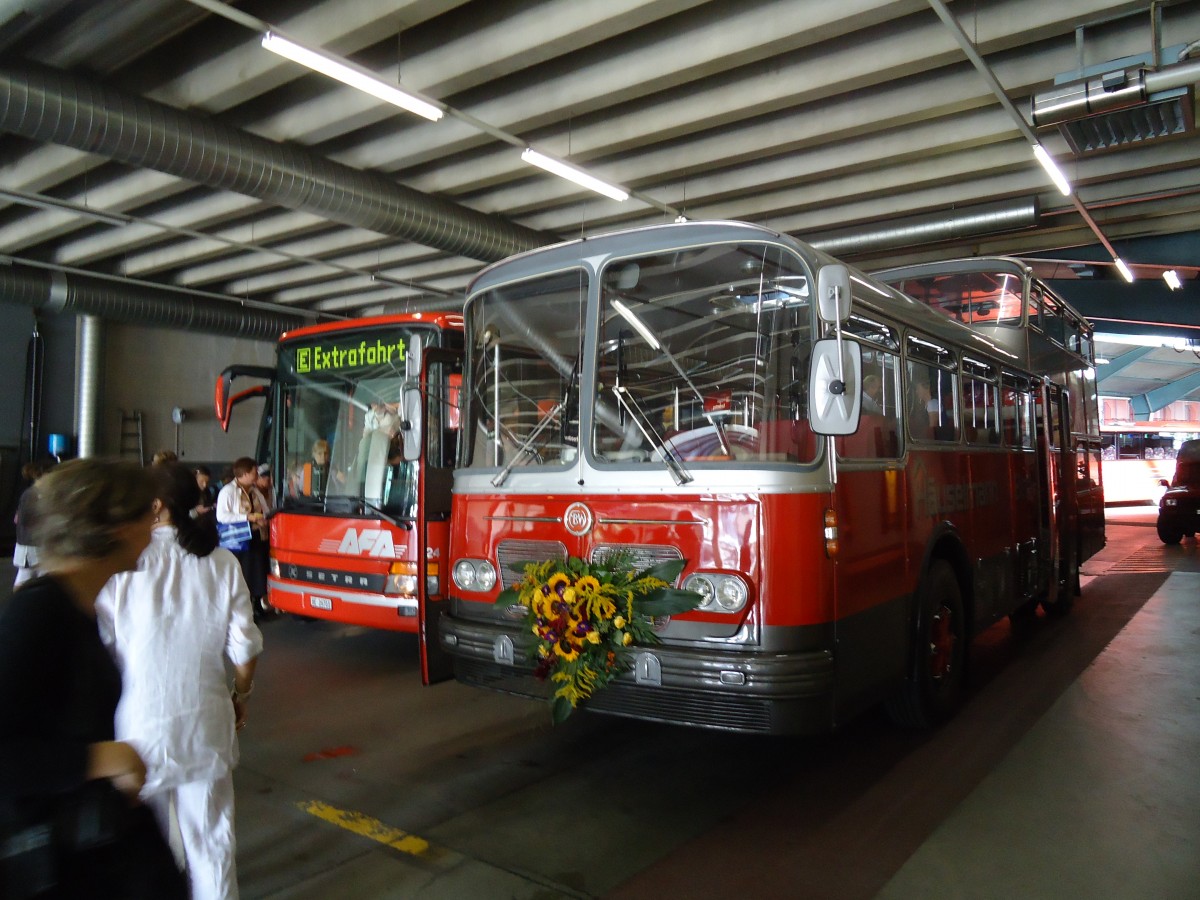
<point x="878" y="434"/>
<point x="981" y="419"/>
<point x="932" y="395"/>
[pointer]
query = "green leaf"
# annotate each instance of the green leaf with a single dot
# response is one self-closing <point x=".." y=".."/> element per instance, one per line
<point x="664" y="571"/>
<point x="508" y="597"/>
<point x="560" y="708"/>
<point x="668" y="602"/>
<point x="522" y="566"/>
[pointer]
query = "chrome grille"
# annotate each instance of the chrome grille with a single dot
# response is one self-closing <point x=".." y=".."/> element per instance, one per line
<point x="516" y="551"/>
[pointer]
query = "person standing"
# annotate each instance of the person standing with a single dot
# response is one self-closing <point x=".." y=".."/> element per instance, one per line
<point x="58" y="751"/>
<point x="25" y="552"/>
<point x="171" y="624"/>
<point x="241" y="501"/>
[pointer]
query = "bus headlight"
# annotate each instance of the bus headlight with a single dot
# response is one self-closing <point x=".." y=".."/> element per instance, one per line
<point x="474" y="575"/>
<point x="731" y="594"/>
<point x="401" y="579"/>
<point x="719" y="592"/>
<point x="702" y="586"/>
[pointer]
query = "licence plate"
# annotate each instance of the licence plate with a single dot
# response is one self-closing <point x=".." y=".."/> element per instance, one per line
<point x="320" y="602"/>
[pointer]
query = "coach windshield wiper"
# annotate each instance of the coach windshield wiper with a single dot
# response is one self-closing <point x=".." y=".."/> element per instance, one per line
<point x="527" y="445"/>
<point x="626" y="402"/>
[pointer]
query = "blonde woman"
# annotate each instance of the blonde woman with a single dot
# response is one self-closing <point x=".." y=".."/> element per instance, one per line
<point x="59" y="759"/>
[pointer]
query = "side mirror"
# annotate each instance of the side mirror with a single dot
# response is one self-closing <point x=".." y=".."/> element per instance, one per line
<point x="1164" y="482"/>
<point x="835" y="387"/>
<point x="410" y="427"/>
<point x="833" y="293"/>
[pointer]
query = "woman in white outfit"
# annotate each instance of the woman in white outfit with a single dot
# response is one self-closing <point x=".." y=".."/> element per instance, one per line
<point x="171" y="625"/>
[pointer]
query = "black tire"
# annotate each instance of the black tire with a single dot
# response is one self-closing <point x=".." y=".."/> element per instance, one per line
<point x="933" y="690"/>
<point x="1168" y="535"/>
<point x="1061" y="598"/>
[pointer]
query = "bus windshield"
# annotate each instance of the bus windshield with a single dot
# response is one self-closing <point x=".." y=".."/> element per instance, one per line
<point x="702" y="357"/>
<point x="345" y="418"/>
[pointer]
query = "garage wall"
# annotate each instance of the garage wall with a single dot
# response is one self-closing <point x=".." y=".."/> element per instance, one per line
<point x="155" y="370"/>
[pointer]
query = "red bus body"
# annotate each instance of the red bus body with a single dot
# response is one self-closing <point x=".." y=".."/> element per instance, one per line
<point x="851" y="569"/>
<point x="361" y="538"/>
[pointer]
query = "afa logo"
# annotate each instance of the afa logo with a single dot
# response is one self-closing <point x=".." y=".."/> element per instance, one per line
<point x="368" y="542"/>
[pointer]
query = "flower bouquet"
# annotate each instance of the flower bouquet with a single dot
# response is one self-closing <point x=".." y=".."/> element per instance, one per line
<point x="587" y="617"/>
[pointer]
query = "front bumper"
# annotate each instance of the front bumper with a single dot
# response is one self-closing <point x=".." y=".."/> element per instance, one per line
<point x="701" y="685"/>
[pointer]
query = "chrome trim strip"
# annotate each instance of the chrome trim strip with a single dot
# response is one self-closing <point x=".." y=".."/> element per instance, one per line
<point x="397" y="602"/>
<point x="522" y="518"/>
<point x="607" y="521"/>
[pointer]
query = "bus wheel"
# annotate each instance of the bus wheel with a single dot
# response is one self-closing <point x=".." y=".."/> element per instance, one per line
<point x="933" y="689"/>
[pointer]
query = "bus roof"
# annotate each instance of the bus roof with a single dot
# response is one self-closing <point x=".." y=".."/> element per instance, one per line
<point x="877" y="298"/>
<point x="444" y="320"/>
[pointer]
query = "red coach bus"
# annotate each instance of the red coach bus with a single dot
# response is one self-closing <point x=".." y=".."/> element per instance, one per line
<point x="361" y="432"/>
<point x="857" y="482"/>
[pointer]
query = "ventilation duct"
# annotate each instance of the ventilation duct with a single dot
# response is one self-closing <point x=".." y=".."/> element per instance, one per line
<point x="53" y="107"/>
<point x="56" y="292"/>
<point x="989" y="218"/>
<point x="1120" y="106"/>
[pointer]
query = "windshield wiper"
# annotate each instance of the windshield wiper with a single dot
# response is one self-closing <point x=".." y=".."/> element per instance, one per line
<point x="383" y="514"/>
<point x="527" y="444"/>
<point x="625" y="401"/>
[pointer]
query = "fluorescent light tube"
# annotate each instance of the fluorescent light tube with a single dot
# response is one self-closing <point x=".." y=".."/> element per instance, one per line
<point x="1056" y="175"/>
<point x="628" y="316"/>
<point x="569" y="172"/>
<point x="348" y="73"/>
<point x="1123" y="269"/>
<point x="1171" y="277"/>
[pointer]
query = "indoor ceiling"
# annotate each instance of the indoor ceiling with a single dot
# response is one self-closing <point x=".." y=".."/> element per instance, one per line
<point x="156" y="147"/>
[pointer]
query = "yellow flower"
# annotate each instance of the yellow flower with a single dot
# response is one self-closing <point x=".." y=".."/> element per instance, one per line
<point x="556" y="579"/>
<point x="627" y="639"/>
<point x="569" y="595"/>
<point x="567" y="651"/>
<point x="588" y="584"/>
<point x="593" y="637"/>
<point x="619" y="622"/>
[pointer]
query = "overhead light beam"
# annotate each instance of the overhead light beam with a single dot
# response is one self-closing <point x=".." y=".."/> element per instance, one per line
<point x="350" y="74"/>
<point x="1171" y="277"/>
<point x="1125" y="271"/>
<point x="572" y="173"/>
<point x="1052" y="169"/>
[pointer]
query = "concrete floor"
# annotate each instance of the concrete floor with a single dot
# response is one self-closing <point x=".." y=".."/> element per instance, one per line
<point x="1068" y="774"/>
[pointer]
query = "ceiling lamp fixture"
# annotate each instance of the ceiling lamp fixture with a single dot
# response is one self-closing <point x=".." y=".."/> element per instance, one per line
<point x="571" y="173"/>
<point x="1171" y="277"/>
<point x="349" y="73"/>
<point x="1052" y="169"/>
<point x="1123" y="269"/>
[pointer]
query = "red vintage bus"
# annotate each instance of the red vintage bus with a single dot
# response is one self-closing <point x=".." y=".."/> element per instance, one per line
<point x="857" y="482"/>
<point x="361" y="431"/>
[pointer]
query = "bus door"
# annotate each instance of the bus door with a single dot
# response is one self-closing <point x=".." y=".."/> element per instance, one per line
<point x="1058" y="508"/>
<point x="437" y="399"/>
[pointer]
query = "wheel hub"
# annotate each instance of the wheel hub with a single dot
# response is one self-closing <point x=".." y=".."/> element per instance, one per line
<point x="941" y="643"/>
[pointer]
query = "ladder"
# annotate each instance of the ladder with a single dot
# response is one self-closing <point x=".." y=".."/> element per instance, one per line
<point x="131" y="435"/>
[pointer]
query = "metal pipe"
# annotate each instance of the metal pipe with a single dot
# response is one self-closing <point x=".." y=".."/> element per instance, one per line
<point x="89" y="368"/>
<point x="954" y="224"/>
<point x="58" y="292"/>
<point x="54" y="107"/>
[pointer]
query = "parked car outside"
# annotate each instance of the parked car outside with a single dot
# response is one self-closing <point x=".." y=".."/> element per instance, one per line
<point x="1179" y="508"/>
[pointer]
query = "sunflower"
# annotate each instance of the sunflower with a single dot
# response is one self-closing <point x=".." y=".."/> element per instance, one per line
<point x="558" y="581"/>
<point x="567" y="650"/>
<point x="588" y="584"/>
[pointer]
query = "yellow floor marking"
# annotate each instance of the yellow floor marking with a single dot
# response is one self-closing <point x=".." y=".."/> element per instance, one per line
<point x="373" y="829"/>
